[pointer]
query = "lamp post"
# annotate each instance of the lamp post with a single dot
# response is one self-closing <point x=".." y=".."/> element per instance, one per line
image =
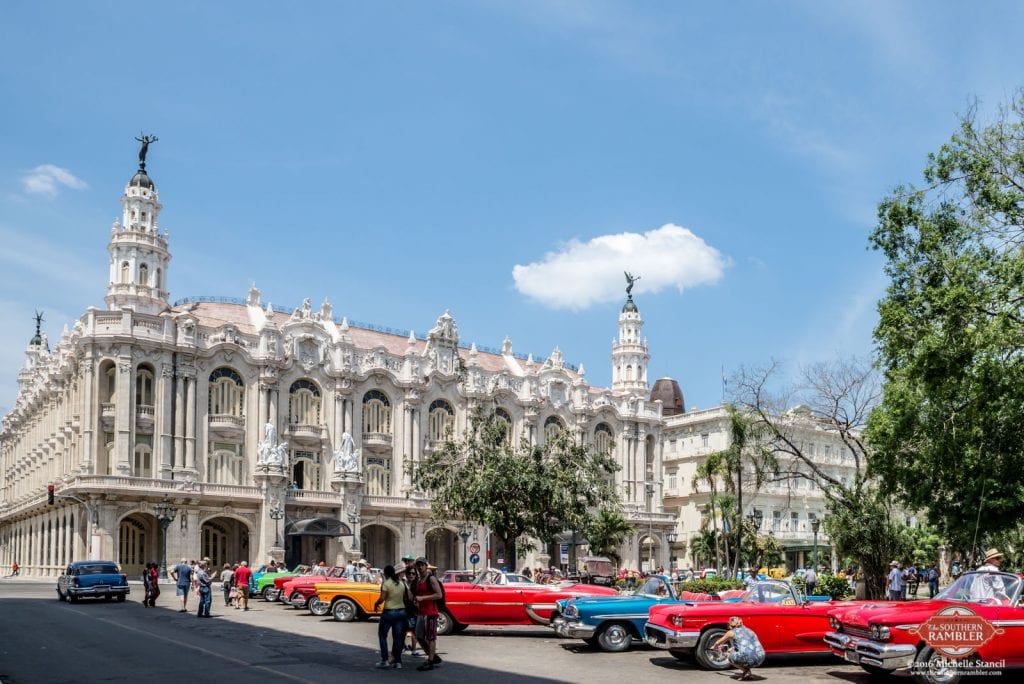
<point x="815" y="524"/>
<point x="276" y="512"/>
<point x="671" y="538"/>
<point x="757" y="517"/>
<point x="165" y="514"/>
<point x="464" y="532"/>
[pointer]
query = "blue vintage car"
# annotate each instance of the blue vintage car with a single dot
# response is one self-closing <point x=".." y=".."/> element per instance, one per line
<point x="612" y="622"/>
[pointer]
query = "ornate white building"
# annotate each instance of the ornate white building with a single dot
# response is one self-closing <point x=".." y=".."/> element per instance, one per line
<point x="279" y="433"/>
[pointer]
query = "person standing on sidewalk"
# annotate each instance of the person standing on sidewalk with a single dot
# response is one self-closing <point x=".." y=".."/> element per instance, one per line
<point x="894" y="584"/>
<point x="933" y="580"/>
<point x="241" y="578"/>
<point x="426" y="593"/>
<point x="203" y="586"/>
<point x="392" y="619"/>
<point x="810" y="581"/>
<point x="225" y="583"/>
<point x="182" y="575"/>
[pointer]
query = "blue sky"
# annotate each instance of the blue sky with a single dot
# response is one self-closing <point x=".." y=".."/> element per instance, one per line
<point x="504" y="160"/>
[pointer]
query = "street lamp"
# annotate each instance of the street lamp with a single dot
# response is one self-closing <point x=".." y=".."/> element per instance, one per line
<point x="276" y="512"/>
<point x="165" y="514"/>
<point x="815" y="524"/>
<point x="671" y="538"/>
<point x="465" y="531"/>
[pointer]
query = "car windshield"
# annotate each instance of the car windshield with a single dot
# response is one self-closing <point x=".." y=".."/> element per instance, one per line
<point x="98" y="569"/>
<point x="983" y="587"/>
<point x="655" y="586"/>
<point x="771" y="592"/>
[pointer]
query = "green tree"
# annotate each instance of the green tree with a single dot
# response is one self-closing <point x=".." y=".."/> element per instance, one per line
<point x="606" y="532"/>
<point x="519" y="491"/>
<point x="709" y="472"/>
<point x="951" y="330"/>
<point x="832" y="398"/>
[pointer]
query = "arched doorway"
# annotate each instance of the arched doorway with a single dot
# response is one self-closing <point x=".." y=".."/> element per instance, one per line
<point x="648" y="553"/>
<point x="138" y="543"/>
<point x="378" y="544"/>
<point x="443" y="549"/>
<point x="224" y="540"/>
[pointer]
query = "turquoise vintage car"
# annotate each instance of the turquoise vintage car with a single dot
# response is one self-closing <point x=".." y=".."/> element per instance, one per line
<point x="613" y="622"/>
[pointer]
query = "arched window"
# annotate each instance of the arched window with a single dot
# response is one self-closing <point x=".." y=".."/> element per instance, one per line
<point x="142" y="461"/>
<point x="144" y="275"/>
<point x="306" y="470"/>
<point x="126" y="273"/>
<point x="629" y="373"/>
<point x="378" y="480"/>
<point x="552" y="427"/>
<point x="144" y="386"/>
<point x="376" y="412"/>
<point x="158" y="283"/>
<point x="108" y="382"/>
<point x="224" y="465"/>
<point x="604" y="440"/>
<point x="504" y="416"/>
<point x="304" y="404"/>
<point x="226" y="394"/>
<point x="442" y="421"/>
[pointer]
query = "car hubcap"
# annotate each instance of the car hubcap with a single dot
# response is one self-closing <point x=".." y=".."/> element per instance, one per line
<point x="616" y="635"/>
<point x="442" y="623"/>
<point x="345" y="611"/>
<point x="720" y="658"/>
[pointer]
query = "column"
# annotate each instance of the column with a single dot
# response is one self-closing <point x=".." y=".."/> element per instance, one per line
<point x="190" y="423"/>
<point x="164" y="422"/>
<point x="261" y="392"/>
<point x="123" y="416"/>
<point x="178" y="462"/>
<point x="87" y="415"/>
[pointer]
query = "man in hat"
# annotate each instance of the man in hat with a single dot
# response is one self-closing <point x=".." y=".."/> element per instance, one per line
<point x="894" y="583"/>
<point x="989" y="587"/>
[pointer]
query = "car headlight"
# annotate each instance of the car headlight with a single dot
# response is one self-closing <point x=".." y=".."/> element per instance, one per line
<point x="676" y="620"/>
<point x="571" y="611"/>
<point x="879" y="632"/>
<point x="835" y="624"/>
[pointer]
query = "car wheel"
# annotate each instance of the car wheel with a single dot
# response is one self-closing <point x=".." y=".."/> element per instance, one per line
<point x="445" y="623"/>
<point x="268" y="594"/>
<point x="121" y="598"/>
<point x="318" y="607"/>
<point x="344" y="610"/>
<point x="706" y="656"/>
<point x="934" y="668"/>
<point x="682" y="656"/>
<point x="615" y="638"/>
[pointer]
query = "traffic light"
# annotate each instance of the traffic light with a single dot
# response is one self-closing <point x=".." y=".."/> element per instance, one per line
<point x="49" y="494"/>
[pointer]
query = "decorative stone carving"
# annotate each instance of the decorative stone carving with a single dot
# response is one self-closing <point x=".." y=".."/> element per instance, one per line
<point x="269" y="452"/>
<point x="346" y="458"/>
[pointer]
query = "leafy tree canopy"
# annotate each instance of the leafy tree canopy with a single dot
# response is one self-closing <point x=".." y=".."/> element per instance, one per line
<point x="948" y="436"/>
<point x="516" y="489"/>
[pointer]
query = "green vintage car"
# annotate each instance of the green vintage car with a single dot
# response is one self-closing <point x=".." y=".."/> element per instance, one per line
<point x="263" y="585"/>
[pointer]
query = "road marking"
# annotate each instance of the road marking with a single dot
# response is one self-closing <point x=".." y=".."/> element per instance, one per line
<point x="217" y="654"/>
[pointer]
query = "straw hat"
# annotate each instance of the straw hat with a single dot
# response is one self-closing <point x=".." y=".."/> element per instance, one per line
<point x="893" y="564"/>
<point x="992" y="553"/>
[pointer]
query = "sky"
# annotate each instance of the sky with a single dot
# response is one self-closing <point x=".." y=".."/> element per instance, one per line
<point x="504" y="160"/>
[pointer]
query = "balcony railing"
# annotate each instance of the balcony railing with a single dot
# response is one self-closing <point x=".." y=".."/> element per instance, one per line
<point x="378" y="440"/>
<point x="304" y="432"/>
<point x="108" y="409"/>
<point x="395" y="502"/>
<point x="307" y="496"/>
<point x="137" y="485"/>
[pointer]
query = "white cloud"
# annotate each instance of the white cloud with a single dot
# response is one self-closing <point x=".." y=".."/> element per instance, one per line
<point x="45" y="179"/>
<point x="581" y="274"/>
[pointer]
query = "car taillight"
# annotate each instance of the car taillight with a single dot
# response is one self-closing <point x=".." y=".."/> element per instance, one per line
<point x="124" y="577"/>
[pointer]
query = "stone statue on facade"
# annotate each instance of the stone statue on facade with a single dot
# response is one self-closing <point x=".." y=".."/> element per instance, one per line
<point x="346" y="458"/>
<point x="269" y="452"/>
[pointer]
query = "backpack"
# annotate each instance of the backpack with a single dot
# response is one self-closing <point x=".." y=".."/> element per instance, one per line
<point x="441" y="605"/>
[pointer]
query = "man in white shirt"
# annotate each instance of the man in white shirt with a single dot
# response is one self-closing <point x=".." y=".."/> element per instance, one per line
<point x="989" y="587"/>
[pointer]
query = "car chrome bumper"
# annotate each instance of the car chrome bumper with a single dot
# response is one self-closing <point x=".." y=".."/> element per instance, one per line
<point x="298" y="601"/>
<point x="571" y="629"/>
<point x="98" y="591"/>
<point x="660" y="637"/>
<point x="870" y="652"/>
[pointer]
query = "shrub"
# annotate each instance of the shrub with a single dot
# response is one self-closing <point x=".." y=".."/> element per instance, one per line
<point x="708" y="586"/>
<point x="831" y="585"/>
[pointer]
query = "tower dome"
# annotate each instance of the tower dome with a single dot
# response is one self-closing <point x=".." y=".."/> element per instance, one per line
<point x="667" y="391"/>
<point x="141" y="179"/>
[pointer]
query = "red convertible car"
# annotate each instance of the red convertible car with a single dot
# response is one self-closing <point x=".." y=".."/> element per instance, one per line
<point x="298" y="591"/>
<point x="975" y="626"/>
<point x="783" y="620"/>
<point x="497" y="598"/>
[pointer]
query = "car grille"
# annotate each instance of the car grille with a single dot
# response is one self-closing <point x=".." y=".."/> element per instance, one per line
<point x="854" y="630"/>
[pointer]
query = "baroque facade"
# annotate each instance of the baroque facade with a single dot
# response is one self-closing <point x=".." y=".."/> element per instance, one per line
<point x="287" y="434"/>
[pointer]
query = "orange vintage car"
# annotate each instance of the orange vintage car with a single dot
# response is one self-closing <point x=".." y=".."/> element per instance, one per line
<point x="349" y="600"/>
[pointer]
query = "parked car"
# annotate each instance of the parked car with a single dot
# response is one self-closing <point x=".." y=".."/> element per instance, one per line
<point x="265" y="585"/>
<point x="348" y="601"/>
<point x="92" y="578"/>
<point x="298" y="591"/>
<point x="784" y="621"/>
<point x="501" y="598"/>
<point x="597" y="570"/>
<point x="457" y="576"/>
<point x="613" y="622"/>
<point x="887" y="636"/>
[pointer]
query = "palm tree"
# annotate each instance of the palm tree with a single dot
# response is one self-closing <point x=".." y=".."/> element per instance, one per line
<point x="708" y="472"/>
<point x="703" y="546"/>
<point x="606" y="533"/>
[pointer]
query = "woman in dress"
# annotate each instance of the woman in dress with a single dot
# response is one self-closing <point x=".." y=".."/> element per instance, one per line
<point x="746" y="652"/>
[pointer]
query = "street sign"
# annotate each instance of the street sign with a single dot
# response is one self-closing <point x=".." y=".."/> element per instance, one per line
<point x="564" y="549"/>
<point x="475" y="558"/>
<point x="474" y="548"/>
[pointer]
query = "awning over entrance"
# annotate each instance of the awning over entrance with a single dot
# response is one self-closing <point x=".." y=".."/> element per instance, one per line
<point x="318" y="527"/>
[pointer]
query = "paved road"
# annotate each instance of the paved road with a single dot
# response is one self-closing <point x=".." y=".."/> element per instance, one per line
<point x="43" y="641"/>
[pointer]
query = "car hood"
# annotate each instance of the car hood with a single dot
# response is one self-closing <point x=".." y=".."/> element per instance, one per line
<point x="890" y="613"/>
<point x="590" y="605"/>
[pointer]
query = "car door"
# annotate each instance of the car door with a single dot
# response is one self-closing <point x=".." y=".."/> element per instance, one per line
<point x="1007" y="645"/>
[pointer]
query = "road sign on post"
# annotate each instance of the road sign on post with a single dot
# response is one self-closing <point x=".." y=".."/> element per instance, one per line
<point x="564" y="553"/>
<point x="474" y="549"/>
<point x="474" y="559"/>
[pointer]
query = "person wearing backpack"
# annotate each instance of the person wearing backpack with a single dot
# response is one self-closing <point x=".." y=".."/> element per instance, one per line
<point x="933" y="580"/>
<point x="427" y="593"/>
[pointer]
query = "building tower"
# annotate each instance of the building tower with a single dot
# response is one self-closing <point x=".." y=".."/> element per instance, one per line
<point x="138" y="253"/>
<point x="629" y="353"/>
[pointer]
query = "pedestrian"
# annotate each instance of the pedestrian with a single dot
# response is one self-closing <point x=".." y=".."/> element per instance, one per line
<point x="426" y="593"/>
<point x="154" y="586"/>
<point x="147" y="580"/>
<point x="15" y="569"/>
<point x="392" y="619"/>
<point x="241" y="578"/>
<point x="894" y="583"/>
<point x="933" y="580"/>
<point x="204" y="588"/>
<point x="751" y="580"/>
<point x="320" y="570"/>
<point x="746" y="652"/>
<point x="182" y="576"/>
<point x="225" y="583"/>
<point x="810" y="581"/>
<point x="408" y="576"/>
<point x="350" y="569"/>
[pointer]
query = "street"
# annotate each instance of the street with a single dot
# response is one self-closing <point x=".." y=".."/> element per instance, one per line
<point x="42" y="640"/>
